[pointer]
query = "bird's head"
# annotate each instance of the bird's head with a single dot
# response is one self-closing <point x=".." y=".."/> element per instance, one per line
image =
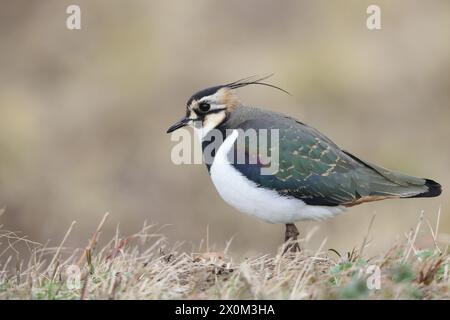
<point x="208" y="108"/>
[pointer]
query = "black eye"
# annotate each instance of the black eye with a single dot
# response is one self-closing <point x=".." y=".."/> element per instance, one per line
<point x="204" y="107"/>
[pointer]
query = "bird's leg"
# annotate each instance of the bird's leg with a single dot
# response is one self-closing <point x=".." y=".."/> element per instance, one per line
<point x="291" y="238"/>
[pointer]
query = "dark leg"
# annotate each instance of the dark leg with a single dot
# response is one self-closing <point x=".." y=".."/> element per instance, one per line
<point x="291" y="238"/>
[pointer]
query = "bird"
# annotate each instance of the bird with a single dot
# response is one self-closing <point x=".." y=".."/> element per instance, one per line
<point x="315" y="178"/>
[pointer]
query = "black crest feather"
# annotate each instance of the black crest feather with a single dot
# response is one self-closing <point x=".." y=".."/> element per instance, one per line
<point x="247" y="81"/>
<point x="234" y="85"/>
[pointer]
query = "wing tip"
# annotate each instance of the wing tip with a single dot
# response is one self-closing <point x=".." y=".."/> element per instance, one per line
<point x="434" y="190"/>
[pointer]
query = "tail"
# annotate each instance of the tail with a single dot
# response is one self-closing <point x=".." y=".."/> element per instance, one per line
<point x="434" y="190"/>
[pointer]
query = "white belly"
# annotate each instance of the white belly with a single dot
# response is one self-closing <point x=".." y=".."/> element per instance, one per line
<point x="244" y="195"/>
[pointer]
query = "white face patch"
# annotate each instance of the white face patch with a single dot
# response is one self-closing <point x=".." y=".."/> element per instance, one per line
<point x="211" y="119"/>
<point x="210" y="122"/>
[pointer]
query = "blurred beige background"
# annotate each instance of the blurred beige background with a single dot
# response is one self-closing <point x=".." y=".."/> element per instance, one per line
<point x="83" y="114"/>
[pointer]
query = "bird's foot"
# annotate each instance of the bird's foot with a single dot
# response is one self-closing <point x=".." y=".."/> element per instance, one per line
<point x="292" y="247"/>
<point x="290" y="238"/>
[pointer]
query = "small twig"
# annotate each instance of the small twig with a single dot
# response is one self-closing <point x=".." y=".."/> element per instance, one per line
<point x="363" y="245"/>
<point x="438" y="221"/>
<point x="93" y="240"/>
<point x="84" y="290"/>
<point x="228" y="244"/>
<point x="60" y="246"/>
<point x="411" y="247"/>
<point x="207" y="238"/>
<point x="433" y="236"/>
<point x="301" y="279"/>
<point x="116" y="280"/>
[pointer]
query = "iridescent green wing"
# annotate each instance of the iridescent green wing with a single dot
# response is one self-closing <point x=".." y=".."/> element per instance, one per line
<point x="314" y="169"/>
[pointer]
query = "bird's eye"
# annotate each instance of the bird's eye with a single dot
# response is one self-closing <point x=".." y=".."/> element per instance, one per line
<point x="204" y="107"/>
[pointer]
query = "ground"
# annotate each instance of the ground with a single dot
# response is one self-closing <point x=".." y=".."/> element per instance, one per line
<point x="142" y="266"/>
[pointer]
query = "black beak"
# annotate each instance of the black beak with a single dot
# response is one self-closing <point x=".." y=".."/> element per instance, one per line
<point x="182" y="123"/>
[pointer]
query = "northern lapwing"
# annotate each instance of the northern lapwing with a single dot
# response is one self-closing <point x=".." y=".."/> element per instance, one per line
<point x="315" y="178"/>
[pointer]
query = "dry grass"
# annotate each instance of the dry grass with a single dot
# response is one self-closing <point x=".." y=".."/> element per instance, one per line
<point x="142" y="266"/>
